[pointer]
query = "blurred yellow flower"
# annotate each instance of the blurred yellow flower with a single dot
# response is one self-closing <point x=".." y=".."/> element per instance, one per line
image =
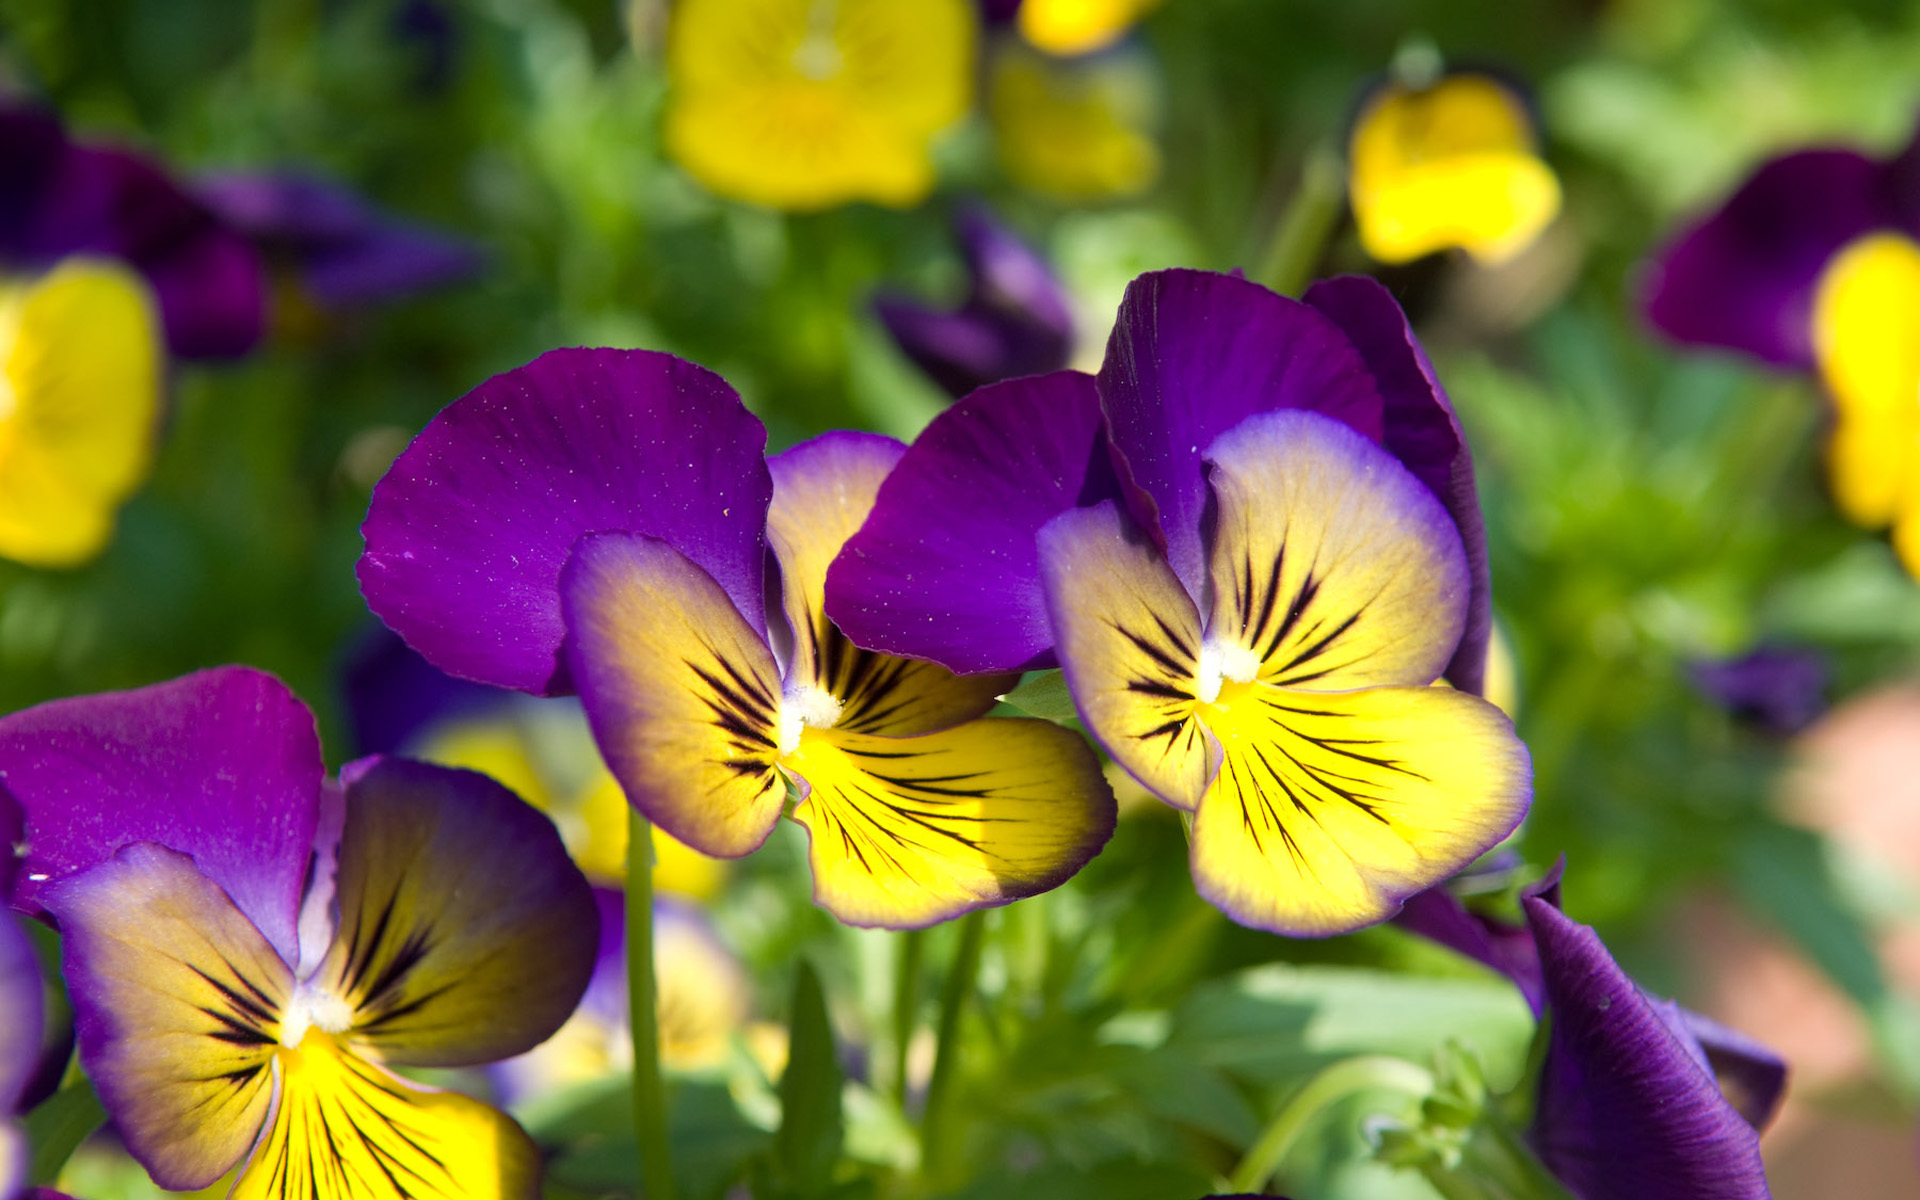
<point x="1453" y="164"/>
<point x="80" y="377"/>
<point x="1866" y="330"/>
<point x="805" y="104"/>
<point x="1078" y="26"/>
<point x="1078" y="130"/>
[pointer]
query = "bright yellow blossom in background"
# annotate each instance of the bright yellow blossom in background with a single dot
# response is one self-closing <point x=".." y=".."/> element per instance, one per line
<point x="80" y="375"/>
<point x="1077" y="131"/>
<point x="1078" y="26"/>
<point x="806" y="104"/>
<point x="1451" y="165"/>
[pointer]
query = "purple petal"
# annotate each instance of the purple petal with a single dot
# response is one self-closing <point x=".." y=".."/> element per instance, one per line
<point x="1752" y="1077"/>
<point x="1438" y="915"/>
<point x="32" y="145"/>
<point x="392" y="693"/>
<point x="960" y="350"/>
<point x="1421" y="430"/>
<point x="1781" y="689"/>
<point x="75" y="199"/>
<point x="223" y="765"/>
<point x="1744" y="277"/>
<point x="21" y="1013"/>
<point x="1192" y="354"/>
<point x="1626" y="1110"/>
<point x="467" y="533"/>
<point x="12" y="826"/>
<point x="945" y="567"/>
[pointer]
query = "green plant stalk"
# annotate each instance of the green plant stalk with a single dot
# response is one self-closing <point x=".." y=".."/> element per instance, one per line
<point x="1300" y="237"/>
<point x="1330" y="1086"/>
<point x="649" y="1094"/>
<point x="953" y="1003"/>
<point x="910" y="949"/>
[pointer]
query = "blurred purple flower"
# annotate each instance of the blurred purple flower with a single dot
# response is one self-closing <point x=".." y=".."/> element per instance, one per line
<point x="59" y="198"/>
<point x="1638" y="1098"/>
<point x="1779" y="689"/>
<point x="346" y="252"/>
<point x="393" y="694"/>
<point x="1015" y="320"/>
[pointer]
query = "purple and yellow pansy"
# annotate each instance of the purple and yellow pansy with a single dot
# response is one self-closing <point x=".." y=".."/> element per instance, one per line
<point x="602" y="521"/>
<point x="22" y="1014"/>
<point x="1453" y="162"/>
<point x="1813" y="264"/>
<point x="1251" y="544"/>
<point x="249" y="947"/>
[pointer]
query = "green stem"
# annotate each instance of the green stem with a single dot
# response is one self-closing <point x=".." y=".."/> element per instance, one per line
<point x="1335" y="1083"/>
<point x="649" y="1095"/>
<point x="953" y="1002"/>
<point x="1300" y="238"/>
<point x="910" y="949"/>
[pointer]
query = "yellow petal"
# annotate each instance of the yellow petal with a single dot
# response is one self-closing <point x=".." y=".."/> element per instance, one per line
<point x="1078" y="26"/>
<point x="1330" y="809"/>
<point x="1453" y="165"/>
<point x="346" y="1128"/>
<point x="1866" y="332"/>
<point x="906" y="832"/>
<point x="80" y="372"/>
<point x="1078" y="131"/>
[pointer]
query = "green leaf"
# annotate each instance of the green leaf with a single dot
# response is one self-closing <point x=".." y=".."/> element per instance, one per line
<point x="57" y="1126"/>
<point x="1043" y="694"/>
<point x="807" y="1144"/>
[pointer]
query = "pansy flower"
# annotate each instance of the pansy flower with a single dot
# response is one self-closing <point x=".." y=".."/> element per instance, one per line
<point x="1777" y="689"/>
<point x="1638" y="1098"/>
<point x="1015" y="319"/>
<point x="249" y="948"/>
<point x="344" y="252"/>
<point x="1069" y="27"/>
<point x="1453" y="163"/>
<point x="600" y="520"/>
<point x="1077" y="130"/>
<point x="1814" y="264"/>
<point x="806" y="104"/>
<point x="1234" y="542"/>
<point x="22" y="1014"/>
<point x="60" y="200"/>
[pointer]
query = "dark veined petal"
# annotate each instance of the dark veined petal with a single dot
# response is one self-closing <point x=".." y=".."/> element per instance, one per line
<point x="177" y="1005"/>
<point x="907" y="832"/>
<point x="346" y="1127"/>
<point x="1129" y="649"/>
<point x="465" y="932"/>
<point x="1329" y="809"/>
<point x="223" y="765"/>
<point x="1193" y="354"/>
<point x="21" y="1009"/>
<point x="1751" y="1076"/>
<point x="682" y="694"/>
<point x="822" y="491"/>
<point x="468" y="532"/>
<point x="1744" y="276"/>
<point x="1626" y="1110"/>
<point x="1332" y="566"/>
<point x="1422" y="431"/>
<point x="945" y="567"/>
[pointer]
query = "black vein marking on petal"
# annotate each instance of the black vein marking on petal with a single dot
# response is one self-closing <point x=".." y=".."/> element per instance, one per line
<point x="242" y="1020"/>
<point x="927" y="808"/>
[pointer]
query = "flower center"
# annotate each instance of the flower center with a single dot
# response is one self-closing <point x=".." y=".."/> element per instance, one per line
<point x="1223" y="661"/>
<point x="806" y="707"/>
<point x="313" y="1008"/>
<point x="818" y="56"/>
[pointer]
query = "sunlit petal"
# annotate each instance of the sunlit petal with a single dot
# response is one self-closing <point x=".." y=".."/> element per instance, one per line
<point x="345" y="1127"/>
<point x="177" y="1002"/>
<point x="822" y="491"/>
<point x="1332" y="566"/>
<point x="465" y="932"/>
<point x="1129" y="644"/>
<point x="906" y="832"/>
<point x="1331" y="808"/>
<point x="1866" y="313"/>
<point x="682" y="694"/>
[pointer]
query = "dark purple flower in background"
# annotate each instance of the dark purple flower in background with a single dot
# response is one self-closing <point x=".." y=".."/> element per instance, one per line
<point x="1778" y="689"/>
<point x="1744" y="277"/>
<point x="345" y="252"/>
<point x="1015" y="320"/>
<point x="59" y="198"/>
<point x="1639" y="1099"/>
<point x="393" y="694"/>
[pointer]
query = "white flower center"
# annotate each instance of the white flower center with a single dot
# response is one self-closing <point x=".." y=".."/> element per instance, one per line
<point x="808" y="706"/>
<point x="313" y="1008"/>
<point x="1221" y="661"/>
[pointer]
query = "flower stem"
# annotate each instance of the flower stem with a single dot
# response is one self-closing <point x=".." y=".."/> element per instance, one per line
<point x="910" y="949"/>
<point x="1301" y="236"/>
<point x="953" y="1002"/>
<point x="649" y="1095"/>
<point x="1330" y="1086"/>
